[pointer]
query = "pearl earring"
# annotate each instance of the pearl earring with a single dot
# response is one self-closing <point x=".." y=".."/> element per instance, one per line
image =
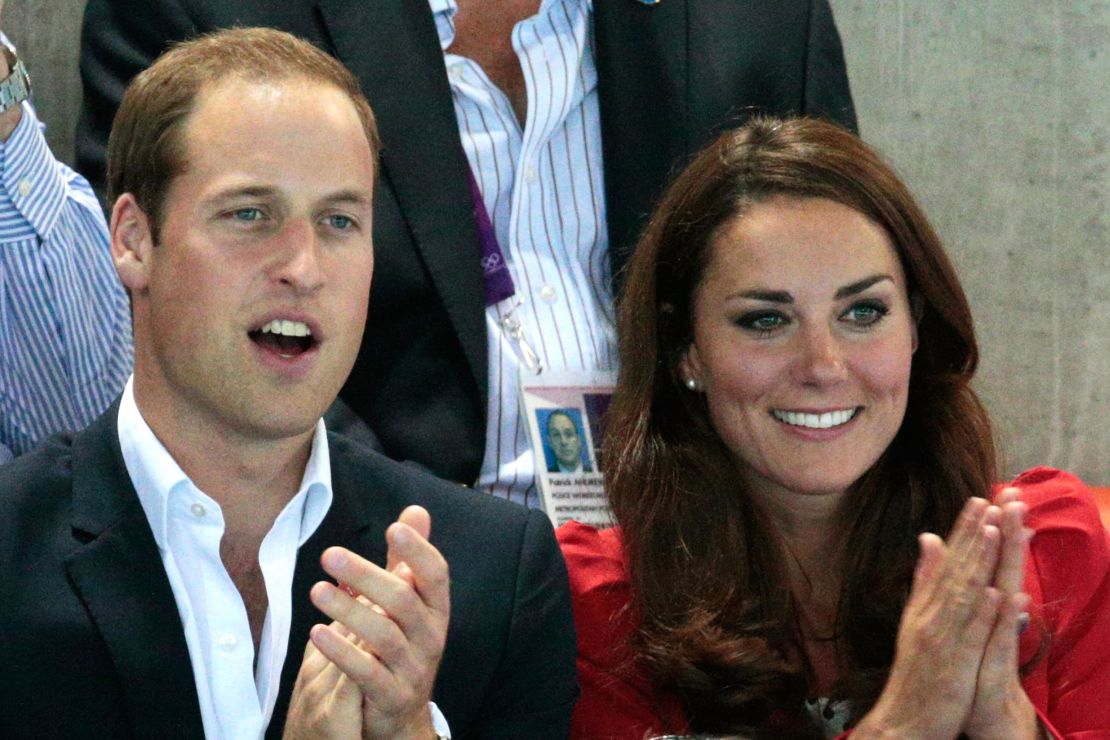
<point x="691" y="384"/>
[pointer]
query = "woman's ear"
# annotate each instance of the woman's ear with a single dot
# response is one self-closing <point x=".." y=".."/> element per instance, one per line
<point x="917" y="311"/>
<point x="690" y="369"/>
<point x="132" y="243"/>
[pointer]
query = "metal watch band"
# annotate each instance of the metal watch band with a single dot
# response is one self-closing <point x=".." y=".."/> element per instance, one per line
<point x="17" y="87"/>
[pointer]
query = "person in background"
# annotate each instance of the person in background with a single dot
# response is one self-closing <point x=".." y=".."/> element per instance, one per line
<point x="561" y="119"/>
<point x="65" y="329"/>
<point x="566" y="444"/>
<point x="164" y="570"/>
<point x="811" y="540"/>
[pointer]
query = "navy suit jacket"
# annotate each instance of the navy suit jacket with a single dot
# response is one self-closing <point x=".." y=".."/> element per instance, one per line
<point x="91" y="643"/>
<point x="670" y="78"/>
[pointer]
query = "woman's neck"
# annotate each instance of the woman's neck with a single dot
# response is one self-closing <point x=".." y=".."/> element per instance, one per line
<point x="810" y="529"/>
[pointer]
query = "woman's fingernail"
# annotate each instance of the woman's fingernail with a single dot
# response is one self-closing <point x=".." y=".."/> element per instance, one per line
<point x="1023" y="622"/>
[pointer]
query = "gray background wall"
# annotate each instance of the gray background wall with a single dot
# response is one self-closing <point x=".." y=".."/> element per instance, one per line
<point x="997" y="115"/>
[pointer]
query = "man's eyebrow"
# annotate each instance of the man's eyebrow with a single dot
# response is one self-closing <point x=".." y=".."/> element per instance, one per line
<point x="353" y="196"/>
<point x="242" y="191"/>
<point x="861" y="285"/>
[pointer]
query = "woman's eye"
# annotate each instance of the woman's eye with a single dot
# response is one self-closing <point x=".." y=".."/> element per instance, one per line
<point x="762" y="322"/>
<point x="866" y="313"/>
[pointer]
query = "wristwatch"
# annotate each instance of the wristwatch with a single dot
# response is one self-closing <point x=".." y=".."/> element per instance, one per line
<point x="17" y="86"/>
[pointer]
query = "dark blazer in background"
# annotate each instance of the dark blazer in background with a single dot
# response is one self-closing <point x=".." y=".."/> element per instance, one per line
<point x="671" y="76"/>
<point x="91" y="643"/>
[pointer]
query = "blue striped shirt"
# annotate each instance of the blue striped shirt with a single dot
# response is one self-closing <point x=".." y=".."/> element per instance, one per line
<point x="65" y="326"/>
<point x="544" y="189"/>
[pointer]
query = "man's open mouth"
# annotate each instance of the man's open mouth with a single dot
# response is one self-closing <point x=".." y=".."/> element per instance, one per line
<point x="286" y="338"/>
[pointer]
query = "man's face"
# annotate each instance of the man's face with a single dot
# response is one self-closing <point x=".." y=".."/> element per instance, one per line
<point x="250" y="310"/>
<point x="563" y="438"/>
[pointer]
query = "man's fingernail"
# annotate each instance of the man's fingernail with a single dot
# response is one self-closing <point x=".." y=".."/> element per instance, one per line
<point x="336" y="558"/>
<point x="322" y="596"/>
<point x="402" y="536"/>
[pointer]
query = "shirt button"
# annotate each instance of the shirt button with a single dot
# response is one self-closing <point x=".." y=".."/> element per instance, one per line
<point x="197" y="510"/>
<point x="548" y="294"/>
<point x="227" y="642"/>
<point x="455" y="73"/>
<point x="530" y="174"/>
<point x="24" y="187"/>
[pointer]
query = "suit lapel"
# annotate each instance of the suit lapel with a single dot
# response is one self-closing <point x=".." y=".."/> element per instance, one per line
<point x="357" y="520"/>
<point x="118" y="574"/>
<point x="393" y="48"/>
<point x="642" y="65"/>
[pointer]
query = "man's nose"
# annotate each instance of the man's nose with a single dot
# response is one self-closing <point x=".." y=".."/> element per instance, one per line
<point x="299" y="257"/>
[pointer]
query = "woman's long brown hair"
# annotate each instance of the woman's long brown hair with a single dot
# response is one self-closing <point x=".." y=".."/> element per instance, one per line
<point x="717" y="621"/>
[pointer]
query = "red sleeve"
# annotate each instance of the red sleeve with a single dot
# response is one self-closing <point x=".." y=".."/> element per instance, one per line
<point x="616" y="701"/>
<point x="1068" y="578"/>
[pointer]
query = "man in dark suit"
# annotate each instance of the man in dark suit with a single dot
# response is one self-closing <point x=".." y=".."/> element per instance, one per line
<point x="669" y="76"/>
<point x="162" y="571"/>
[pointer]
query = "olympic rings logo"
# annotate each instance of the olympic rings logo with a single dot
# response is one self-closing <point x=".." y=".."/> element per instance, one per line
<point x="491" y="263"/>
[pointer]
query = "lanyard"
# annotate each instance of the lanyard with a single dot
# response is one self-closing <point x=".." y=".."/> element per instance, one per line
<point x="497" y="282"/>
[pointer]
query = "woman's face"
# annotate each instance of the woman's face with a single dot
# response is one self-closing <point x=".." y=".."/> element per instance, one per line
<point x="803" y="339"/>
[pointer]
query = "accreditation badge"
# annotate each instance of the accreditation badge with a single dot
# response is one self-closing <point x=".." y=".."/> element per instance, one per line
<point x="565" y="415"/>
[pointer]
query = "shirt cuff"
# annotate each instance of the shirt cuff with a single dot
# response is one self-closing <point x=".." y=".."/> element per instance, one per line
<point x="33" y="183"/>
<point x="439" y="722"/>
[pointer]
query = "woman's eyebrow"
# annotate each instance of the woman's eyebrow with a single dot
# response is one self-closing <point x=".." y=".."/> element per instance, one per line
<point x="784" y="296"/>
<point x="771" y="296"/>
<point x="861" y="285"/>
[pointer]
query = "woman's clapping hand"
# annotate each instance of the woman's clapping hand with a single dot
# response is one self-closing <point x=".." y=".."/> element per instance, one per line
<point x="955" y="668"/>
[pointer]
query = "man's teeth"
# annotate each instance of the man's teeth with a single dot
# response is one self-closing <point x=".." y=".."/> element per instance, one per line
<point x="815" y="421"/>
<point x="287" y="328"/>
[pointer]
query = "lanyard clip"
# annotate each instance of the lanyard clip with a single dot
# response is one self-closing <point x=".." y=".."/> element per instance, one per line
<point x="512" y="326"/>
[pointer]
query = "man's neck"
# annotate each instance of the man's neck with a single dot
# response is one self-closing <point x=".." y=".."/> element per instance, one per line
<point x="483" y="33"/>
<point x="574" y="467"/>
<point x="252" y="479"/>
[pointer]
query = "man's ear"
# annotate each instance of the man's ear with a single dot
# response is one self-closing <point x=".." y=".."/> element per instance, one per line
<point x="132" y="243"/>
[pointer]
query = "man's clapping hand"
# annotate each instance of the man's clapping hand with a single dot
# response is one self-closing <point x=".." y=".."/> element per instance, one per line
<point x="370" y="672"/>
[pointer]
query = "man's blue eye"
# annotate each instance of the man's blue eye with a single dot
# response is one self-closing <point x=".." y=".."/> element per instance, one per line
<point x="248" y="214"/>
<point x="341" y="222"/>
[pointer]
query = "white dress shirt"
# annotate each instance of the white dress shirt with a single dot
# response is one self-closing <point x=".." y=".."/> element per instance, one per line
<point x="237" y="694"/>
<point x="543" y="188"/>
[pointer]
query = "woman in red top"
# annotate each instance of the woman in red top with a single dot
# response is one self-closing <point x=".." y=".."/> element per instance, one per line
<point x="800" y="472"/>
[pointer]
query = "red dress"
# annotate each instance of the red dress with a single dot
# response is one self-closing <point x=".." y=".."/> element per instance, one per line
<point x="1067" y="576"/>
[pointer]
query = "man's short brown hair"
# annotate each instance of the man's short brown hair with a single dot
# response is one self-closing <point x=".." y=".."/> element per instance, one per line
<point x="146" y="148"/>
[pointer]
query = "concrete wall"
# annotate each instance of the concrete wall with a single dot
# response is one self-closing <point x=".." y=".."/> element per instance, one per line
<point x="47" y="35"/>
<point x="998" y="116"/>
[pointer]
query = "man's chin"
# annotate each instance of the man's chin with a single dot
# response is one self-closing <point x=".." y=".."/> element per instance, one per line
<point x="284" y="423"/>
